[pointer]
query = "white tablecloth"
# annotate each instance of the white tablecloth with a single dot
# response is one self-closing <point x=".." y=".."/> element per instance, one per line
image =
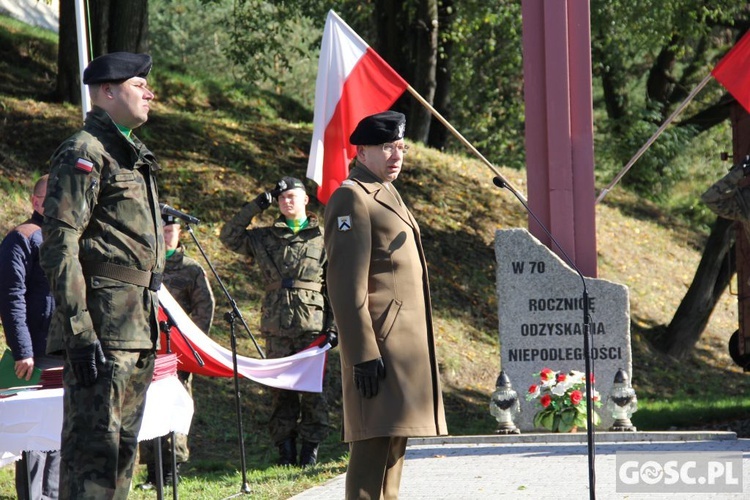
<point x="32" y="420"/>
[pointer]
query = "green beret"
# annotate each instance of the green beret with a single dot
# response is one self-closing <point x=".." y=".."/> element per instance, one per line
<point x="117" y="67"/>
<point x="379" y="129"/>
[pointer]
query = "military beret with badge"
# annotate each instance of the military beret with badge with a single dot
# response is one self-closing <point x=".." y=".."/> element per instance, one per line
<point x="379" y="128"/>
<point x="169" y="219"/>
<point x="117" y="67"/>
<point x="286" y="184"/>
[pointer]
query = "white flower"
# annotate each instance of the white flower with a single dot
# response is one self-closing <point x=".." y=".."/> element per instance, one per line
<point x="559" y="389"/>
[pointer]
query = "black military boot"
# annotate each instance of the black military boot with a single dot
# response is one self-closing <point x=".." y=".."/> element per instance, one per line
<point x="168" y="473"/>
<point x="150" y="482"/>
<point x="288" y="452"/>
<point x="308" y="455"/>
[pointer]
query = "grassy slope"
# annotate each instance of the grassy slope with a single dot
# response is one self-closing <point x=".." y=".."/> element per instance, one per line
<point x="218" y="152"/>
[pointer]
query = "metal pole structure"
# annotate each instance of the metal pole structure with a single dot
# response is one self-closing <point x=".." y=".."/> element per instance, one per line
<point x="83" y="58"/>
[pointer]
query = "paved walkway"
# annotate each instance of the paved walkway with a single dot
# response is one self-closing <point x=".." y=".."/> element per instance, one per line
<point x="542" y="466"/>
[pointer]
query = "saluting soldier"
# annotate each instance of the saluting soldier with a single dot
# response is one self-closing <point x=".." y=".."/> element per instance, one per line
<point x="103" y="254"/>
<point x="379" y="291"/>
<point x="295" y="310"/>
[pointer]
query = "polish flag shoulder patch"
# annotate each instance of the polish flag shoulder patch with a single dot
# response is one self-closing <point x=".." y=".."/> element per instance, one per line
<point x="84" y="165"/>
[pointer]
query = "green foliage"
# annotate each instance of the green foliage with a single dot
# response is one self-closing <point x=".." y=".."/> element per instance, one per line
<point x="486" y="58"/>
<point x="655" y="173"/>
<point x="647" y="55"/>
<point x="189" y="37"/>
<point x="688" y="411"/>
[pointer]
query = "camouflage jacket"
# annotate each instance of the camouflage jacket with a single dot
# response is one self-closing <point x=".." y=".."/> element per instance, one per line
<point x="102" y="208"/>
<point x="288" y="262"/>
<point x="727" y="198"/>
<point x="186" y="280"/>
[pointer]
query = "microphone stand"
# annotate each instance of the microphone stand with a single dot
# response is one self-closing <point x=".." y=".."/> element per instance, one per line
<point x="234" y="313"/>
<point x="501" y="183"/>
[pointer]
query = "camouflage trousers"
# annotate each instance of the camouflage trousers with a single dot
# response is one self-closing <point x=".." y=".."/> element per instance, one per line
<point x="101" y="425"/>
<point x="146" y="450"/>
<point x="296" y="414"/>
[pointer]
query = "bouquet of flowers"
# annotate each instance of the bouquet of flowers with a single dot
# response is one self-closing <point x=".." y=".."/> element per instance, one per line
<point x="562" y="398"/>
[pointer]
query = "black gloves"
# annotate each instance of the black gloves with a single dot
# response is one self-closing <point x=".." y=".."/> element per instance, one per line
<point x="367" y="375"/>
<point x="332" y="337"/>
<point x="264" y="200"/>
<point x="84" y="362"/>
<point x="746" y="165"/>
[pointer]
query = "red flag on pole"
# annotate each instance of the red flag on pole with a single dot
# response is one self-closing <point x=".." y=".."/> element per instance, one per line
<point x="733" y="71"/>
<point x="353" y="82"/>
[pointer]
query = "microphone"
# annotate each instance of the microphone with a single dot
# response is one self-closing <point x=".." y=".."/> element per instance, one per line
<point x="167" y="210"/>
<point x="500" y="182"/>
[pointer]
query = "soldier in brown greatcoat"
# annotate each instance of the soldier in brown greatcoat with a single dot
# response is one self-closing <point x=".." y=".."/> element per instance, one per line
<point x="379" y="292"/>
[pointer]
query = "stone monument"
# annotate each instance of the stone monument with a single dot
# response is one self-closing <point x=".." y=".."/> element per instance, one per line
<point x="540" y="313"/>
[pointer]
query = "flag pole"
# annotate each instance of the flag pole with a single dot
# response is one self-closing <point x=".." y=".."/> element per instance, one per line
<point x="463" y="140"/>
<point x="83" y="60"/>
<point x="648" y="143"/>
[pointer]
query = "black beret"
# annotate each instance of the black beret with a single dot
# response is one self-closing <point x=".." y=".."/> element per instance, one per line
<point x="168" y="219"/>
<point x="287" y="183"/>
<point x="376" y="129"/>
<point x="117" y="67"/>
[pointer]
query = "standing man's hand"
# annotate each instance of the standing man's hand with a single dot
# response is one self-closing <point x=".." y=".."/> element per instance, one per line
<point x="24" y="368"/>
<point x="332" y="337"/>
<point x="367" y="377"/>
<point x="85" y="362"/>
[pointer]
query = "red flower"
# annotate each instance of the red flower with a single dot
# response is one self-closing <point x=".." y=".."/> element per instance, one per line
<point x="546" y="374"/>
<point x="561" y="377"/>
<point x="592" y="378"/>
<point x="532" y="389"/>
<point x="545" y="400"/>
<point x="575" y="397"/>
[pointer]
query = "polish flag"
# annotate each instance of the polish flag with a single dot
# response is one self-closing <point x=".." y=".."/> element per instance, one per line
<point x="732" y="71"/>
<point x="353" y="82"/>
<point x="302" y="371"/>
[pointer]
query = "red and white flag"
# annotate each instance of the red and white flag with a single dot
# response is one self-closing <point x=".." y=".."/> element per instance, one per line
<point x="353" y="82"/>
<point x="733" y="71"/>
<point x="299" y="372"/>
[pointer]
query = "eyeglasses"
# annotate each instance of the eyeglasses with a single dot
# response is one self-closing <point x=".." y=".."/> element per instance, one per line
<point x="390" y="147"/>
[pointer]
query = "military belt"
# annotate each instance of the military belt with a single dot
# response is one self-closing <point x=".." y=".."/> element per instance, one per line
<point x="292" y="283"/>
<point x="146" y="279"/>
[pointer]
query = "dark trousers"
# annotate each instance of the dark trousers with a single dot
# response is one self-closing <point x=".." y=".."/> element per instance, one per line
<point x="375" y="467"/>
<point x="38" y="475"/>
<point x="101" y="425"/>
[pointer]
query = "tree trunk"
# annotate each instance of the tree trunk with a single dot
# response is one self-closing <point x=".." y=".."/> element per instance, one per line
<point x="116" y="25"/>
<point x="711" y="278"/>
<point x="425" y="36"/>
<point x="438" y="132"/>
<point x="68" y="85"/>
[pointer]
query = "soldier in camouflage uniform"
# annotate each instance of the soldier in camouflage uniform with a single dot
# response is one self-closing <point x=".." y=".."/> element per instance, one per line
<point x="186" y="281"/>
<point x="103" y="254"/>
<point x="729" y="197"/>
<point x="292" y="258"/>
